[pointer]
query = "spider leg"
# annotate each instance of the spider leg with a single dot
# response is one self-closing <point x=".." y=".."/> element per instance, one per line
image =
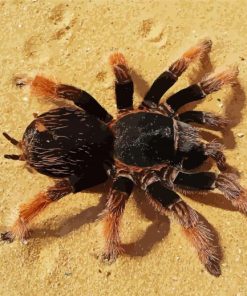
<point x="169" y="77"/>
<point x="166" y="200"/>
<point x="207" y="118"/>
<point x="188" y="142"/>
<point x="194" y="160"/>
<point x="208" y="85"/>
<point x="124" y="87"/>
<point x="118" y="196"/>
<point x="44" y="87"/>
<point x="28" y="211"/>
<point x="226" y="183"/>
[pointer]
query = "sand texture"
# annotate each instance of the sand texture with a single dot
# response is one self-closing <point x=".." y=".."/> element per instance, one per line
<point x="71" y="41"/>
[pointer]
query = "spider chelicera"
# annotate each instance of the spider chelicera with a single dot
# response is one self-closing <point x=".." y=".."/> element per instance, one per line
<point x="152" y="147"/>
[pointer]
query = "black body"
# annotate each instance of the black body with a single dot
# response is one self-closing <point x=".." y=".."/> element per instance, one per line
<point x="71" y="143"/>
<point x="144" y="139"/>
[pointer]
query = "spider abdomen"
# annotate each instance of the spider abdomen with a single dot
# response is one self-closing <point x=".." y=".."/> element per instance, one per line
<point x="66" y="141"/>
<point x="144" y="139"/>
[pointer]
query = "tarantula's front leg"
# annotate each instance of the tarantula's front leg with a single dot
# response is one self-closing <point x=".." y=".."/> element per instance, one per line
<point x="44" y="87"/>
<point x="124" y="87"/>
<point x="208" y="85"/>
<point x="226" y="183"/>
<point x="166" y="200"/>
<point x="30" y="210"/>
<point x="119" y="194"/>
<point x="169" y="77"/>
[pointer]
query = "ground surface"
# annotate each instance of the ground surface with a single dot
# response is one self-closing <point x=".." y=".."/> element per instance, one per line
<point x="71" y="40"/>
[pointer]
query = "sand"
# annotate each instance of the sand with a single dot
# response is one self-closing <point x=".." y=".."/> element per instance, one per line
<point x="71" y="41"/>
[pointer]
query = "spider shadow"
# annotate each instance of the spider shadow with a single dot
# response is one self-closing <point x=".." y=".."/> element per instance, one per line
<point x="210" y="198"/>
<point x="155" y="233"/>
<point x="233" y="112"/>
<point x="75" y="222"/>
<point x="141" y="85"/>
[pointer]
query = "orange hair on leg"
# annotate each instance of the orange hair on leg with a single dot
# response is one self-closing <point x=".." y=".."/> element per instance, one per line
<point x="43" y="87"/>
<point x="111" y="218"/>
<point x="199" y="235"/>
<point x="120" y="67"/>
<point x="196" y="52"/>
<point x="29" y="211"/>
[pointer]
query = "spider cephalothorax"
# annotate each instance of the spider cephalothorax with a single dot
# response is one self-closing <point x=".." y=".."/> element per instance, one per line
<point x="152" y="147"/>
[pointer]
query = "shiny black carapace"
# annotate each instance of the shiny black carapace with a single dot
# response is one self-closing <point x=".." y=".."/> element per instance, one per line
<point x="153" y="146"/>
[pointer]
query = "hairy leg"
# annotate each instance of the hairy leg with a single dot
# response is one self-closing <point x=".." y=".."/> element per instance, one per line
<point x="226" y="183"/>
<point x="30" y="210"/>
<point x="169" y="77"/>
<point x="44" y="87"/>
<point x="207" y="118"/>
<point x="166" y="200"/>
<point x="208" y="85"/>
<point x="189" y="143"/>
<point x="124" y="87"/>
<point x="118" y="196"/>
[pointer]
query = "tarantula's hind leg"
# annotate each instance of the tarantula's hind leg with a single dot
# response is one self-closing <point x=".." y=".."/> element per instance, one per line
<point x="195" y="230"/>
<point x="207" y="118"/>
<point x="30" y="210"/>
<point x="169" y="77"/>
<point x="124" y="87"/>
<point x="44" y="87"/>
<point x="233" y="191"/>
<point x="119" y="194"/>
<point x="226" y="183"/>
<point x="208" y="85"/>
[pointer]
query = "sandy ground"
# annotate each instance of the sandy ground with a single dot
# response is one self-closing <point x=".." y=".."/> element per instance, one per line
<point x="71" y="40"/>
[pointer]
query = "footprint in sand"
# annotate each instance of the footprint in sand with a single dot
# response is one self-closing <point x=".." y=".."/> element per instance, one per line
<point x="153" y="32"/>
<point x="47" y="261"/>
<point x="32" y="46"/>
<point x="64" y="20"/>
<point x="57" y="13"/>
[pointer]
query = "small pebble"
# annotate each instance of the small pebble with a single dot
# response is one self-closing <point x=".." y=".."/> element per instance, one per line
<point x="240" y="135"/>
<point x="25" y="99"/>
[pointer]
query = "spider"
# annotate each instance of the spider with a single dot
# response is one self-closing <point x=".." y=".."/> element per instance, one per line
<point x="153" y="147"/>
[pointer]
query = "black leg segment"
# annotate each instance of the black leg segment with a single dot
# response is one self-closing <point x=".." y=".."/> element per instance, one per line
<point x="163" y="195"/>
<point x="124" y="87"/>
<point x="169" y="77"/>
<point x="41" y="86"/>
<point x="206" y="118"/>
<point x="124" y="95"/>
<point x="117" y="198"/>
<point x="208" y="85"/>
<point x="194" y="160"/>
<point x="89" y="178"/>
<point x="83" y="100"/>
<point x="158" y="89"/>
<point x="196" y="181"/>
<point x="185" y="96"/>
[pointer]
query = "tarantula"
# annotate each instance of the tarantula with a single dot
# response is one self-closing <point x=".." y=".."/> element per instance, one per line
<point x="152" y="147"/>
